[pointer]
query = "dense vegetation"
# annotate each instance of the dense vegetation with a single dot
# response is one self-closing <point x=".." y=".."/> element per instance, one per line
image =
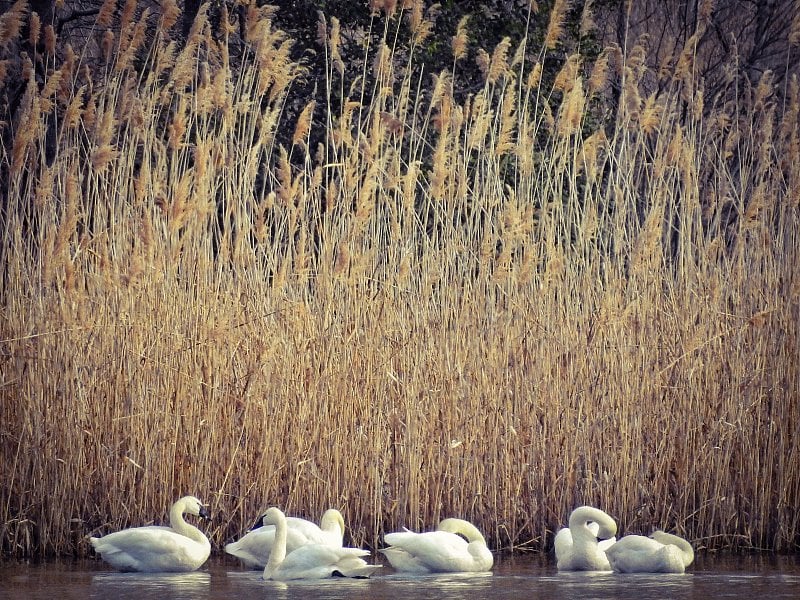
<point x="394" y="271"/>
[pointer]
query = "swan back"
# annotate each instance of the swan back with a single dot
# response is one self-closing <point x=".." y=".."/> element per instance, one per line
<point x="178" y="548"/>
<point x="662" y="553"/>
<point x="315" y="561"/>
<point x="441" y="551"/>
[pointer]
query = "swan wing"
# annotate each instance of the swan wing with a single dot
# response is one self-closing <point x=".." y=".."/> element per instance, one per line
<point x="302" y="527"/>
<point x="254" y="547"/>
<point x="311" y="533"/>
<point x="317" y="561"/>
<point x="634" y="554"/>
<point x="354" y="566"/>
<point x="403" y="561"/>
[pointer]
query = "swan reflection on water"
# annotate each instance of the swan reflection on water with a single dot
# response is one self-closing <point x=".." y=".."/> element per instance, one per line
<point x="532" y="577"/>
<point x="669" y="585"/>
<point x="151" y="585"/>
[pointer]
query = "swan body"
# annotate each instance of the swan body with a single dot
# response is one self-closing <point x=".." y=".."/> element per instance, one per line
<point x="660" y="553"/>
<point x="440" y="551"/>
<point x="311" y="561"/>
<point x="577" y="547"/>
<point x="255" y="546"/>
<point x="178" y="548"/>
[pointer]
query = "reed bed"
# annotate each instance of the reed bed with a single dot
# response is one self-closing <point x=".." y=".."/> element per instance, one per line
<point x="495" y="308"/>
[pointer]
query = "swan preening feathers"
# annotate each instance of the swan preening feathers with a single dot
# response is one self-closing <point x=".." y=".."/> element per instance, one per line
<point x="660" y="553"/>
<point x="577" y="547"/>
<point x="311" y="561"/>
<point x="178" y="548"/>
<point x="440" y="551"/>
<point x="255" y="546"/>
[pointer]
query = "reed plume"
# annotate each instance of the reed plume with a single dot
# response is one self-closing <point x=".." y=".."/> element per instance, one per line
<point x="394" y="299"/>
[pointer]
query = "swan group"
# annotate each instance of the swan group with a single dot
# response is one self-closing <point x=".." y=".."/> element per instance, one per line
<point x="178" y="548"/>
<point x="254" y="548"/>
<point x="310" y="561"/>
<point x="288" y="548"/>
<point x="440" y="551"/>
<point x="589" y="545"/>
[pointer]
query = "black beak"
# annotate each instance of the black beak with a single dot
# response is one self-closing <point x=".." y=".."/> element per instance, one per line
<point x="204" y="514"/>
<point x="259" y="523"/>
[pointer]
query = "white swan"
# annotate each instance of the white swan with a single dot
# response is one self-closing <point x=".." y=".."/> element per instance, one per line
<point x="312" y="561"/>
<point x="180" y="547"/>
<point x="577" y="548"/>
<point x="660" y="553"/>
<point x="255" y="546"/>
<point x="440" y="551"/>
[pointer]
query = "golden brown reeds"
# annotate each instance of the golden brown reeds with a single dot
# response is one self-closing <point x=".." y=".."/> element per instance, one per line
<point x="474" y="309"/>
<point x="555" y="26"/>
<point x="460" y="39"/>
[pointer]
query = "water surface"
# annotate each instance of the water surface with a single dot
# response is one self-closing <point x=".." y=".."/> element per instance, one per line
<point x="529" y="576"/>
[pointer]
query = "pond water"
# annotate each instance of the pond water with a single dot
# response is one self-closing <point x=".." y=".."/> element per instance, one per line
<point x="529" y="576"/>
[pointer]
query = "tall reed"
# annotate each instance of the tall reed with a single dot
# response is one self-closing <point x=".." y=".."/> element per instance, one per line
<point x="491" y="308"/>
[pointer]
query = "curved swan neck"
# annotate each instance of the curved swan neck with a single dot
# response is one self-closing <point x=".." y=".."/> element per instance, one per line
<point x="179" y="524"/>
<point x="462" y="527"/>
<point x="684" y="546"/>
<point x="579" y="523"/>
<point x="275" y="517"/>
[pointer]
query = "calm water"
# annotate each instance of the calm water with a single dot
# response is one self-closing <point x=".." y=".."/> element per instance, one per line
<point x="740" y="577"/>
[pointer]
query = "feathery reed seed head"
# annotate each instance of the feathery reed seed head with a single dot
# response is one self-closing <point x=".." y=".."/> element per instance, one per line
<point x="460" y="40"/>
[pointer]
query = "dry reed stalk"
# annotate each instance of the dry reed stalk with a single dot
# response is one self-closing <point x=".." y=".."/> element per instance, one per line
<point x="429" y="345"/>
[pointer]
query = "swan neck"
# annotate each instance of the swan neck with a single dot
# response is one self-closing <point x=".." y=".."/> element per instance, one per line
<point x="580" y="517"/>
<point x="462" y="527"/>
<point x="278" y="553"/>
<point x="684" y="546"/>
<point x="472" y="534"/>
<point x="179" y="524"/>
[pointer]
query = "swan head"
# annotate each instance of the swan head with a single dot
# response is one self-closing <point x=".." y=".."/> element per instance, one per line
<point x="273" y="516"/>
<point x="331" y="516"/>
<point x="259" y="523"/>
<point x="269" y="518"/>
<point x="194" y="506"/>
